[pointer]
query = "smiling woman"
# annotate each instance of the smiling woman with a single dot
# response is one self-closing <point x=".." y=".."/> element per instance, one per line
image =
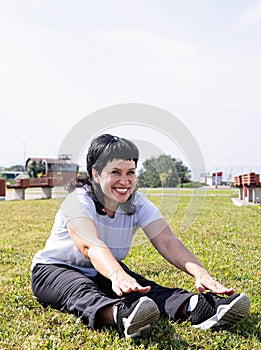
<point x="117" y="181"/>
<point x="80" y="270"/>
<point x="111" y="167"/>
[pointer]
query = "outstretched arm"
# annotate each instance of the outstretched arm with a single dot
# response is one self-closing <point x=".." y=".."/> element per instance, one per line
<point x="173" y="250"/>
<point x="84" y="234"/>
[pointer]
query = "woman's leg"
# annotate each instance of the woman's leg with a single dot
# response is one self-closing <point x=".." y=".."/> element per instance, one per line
<point x="208" y="311"/>
<point x="172" y="302"/>
<point x="66" y="289"/>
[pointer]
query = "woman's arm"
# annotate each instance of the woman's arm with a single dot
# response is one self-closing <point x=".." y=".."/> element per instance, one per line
<point x="85" y="236"/>
<point x="173" y="250"/>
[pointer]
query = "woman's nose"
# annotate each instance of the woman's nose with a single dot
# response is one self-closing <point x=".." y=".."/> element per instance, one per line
<point x="123" y="179"/>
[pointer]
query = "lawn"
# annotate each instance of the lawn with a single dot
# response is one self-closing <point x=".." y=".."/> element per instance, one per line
<point x="225" y="238"/>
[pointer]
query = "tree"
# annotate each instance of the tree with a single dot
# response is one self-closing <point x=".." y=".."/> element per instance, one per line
<point x="36" y="169"/>
<point x="163" y="171"/>
<point x="17" y="167"/>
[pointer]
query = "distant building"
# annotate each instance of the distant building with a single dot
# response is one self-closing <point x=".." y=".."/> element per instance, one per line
<point x="213" y="179"/>
<point x="61" y="169"/>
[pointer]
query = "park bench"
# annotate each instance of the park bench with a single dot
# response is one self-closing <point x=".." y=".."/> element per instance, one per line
<point x="249" y="186"/>
<point x="22" y="184"/>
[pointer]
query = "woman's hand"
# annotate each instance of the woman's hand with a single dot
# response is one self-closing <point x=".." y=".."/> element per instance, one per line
<point x="205" y="281"/>
<point x="124" y="283"/>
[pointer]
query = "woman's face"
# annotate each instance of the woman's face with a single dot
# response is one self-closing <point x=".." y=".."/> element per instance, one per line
<point x="117" y="181"/>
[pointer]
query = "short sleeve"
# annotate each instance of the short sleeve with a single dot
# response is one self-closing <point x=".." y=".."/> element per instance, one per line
<point x="77" y="204"/>
<point x="147" y="212"/>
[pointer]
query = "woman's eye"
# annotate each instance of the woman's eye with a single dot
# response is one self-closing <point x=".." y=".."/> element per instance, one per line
<point x="115" y="172"/>
<point x="132" y="172"/>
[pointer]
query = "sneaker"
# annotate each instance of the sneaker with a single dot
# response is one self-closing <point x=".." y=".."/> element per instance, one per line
<point x="134" y="318"/>
<point x="213" y="310"/>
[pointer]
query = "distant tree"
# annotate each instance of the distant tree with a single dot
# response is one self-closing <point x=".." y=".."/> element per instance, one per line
<point x="164" y="178"/>
<point x="16" y="167"/>
<point x="184" y="173"/>
<point x="163" y="171"/>
<point x="35" y="169"/>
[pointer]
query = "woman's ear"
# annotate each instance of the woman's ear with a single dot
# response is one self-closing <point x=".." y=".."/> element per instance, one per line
<point x="95" y="176"/>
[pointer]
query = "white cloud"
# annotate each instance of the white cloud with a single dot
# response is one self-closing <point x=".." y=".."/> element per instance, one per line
<point x="152" y="41"/>
<point x="148" y="55"/>
<point x="249" y="18"/>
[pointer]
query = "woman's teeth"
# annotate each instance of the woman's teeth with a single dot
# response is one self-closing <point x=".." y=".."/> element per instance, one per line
<point x="122" y="190"/>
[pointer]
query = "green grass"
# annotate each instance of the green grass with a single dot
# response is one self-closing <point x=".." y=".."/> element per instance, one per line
<point x="225" y="238"/>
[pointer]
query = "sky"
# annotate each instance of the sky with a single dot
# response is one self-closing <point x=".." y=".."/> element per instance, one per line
<point x="62" y="60"/>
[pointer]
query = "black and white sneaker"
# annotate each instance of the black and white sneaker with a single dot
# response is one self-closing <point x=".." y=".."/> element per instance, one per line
<point x="134" y="318"/>
<point x="213" y="310"/>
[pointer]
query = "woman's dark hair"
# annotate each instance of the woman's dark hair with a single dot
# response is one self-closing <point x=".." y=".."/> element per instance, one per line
<point x="102" y="150"/>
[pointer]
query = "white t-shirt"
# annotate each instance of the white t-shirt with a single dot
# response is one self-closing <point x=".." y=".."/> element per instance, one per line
<point x="117" y="233"/>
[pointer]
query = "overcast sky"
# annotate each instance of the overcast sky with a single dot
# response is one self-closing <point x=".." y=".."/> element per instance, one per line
<point x="61" y="60"/>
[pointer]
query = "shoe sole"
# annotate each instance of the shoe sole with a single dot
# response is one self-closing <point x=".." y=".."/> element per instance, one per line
<point x="228" y="314"/>
<point x="138" y="323"/>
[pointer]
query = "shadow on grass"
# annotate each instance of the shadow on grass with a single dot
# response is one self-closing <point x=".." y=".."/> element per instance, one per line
<point x="163" y="337"/>
<point x="248" y="327"/>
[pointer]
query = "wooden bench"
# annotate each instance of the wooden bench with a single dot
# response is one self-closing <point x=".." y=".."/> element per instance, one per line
<point x="22" y="184"/>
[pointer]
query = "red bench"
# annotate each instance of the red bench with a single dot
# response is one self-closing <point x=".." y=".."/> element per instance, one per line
<point x="46" y="183"/>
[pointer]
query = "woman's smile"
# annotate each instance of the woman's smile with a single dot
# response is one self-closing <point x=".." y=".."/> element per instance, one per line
<point x="121" y="191"/>
<point x="117" y="181"/>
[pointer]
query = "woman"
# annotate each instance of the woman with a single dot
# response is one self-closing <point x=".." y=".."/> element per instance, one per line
<point x="80" y="270"/>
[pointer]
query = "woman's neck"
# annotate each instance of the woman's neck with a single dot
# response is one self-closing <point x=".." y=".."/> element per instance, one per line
<point x="110" y="212"/>
<point x="110" y="207"/>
